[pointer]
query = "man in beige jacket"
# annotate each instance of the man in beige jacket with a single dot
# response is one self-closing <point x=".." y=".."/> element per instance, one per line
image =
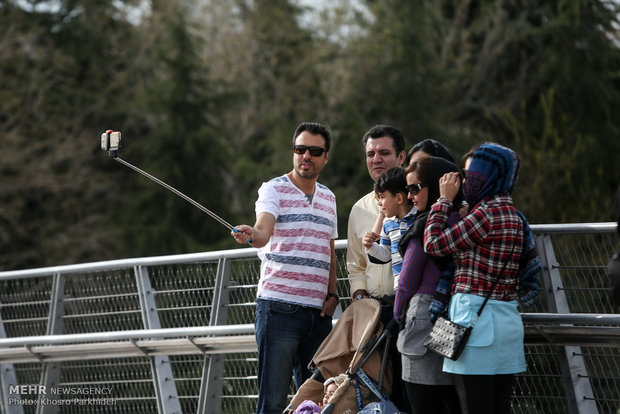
<point x="384" y="147"/>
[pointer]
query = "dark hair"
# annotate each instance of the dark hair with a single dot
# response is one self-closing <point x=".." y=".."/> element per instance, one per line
<point x="381" y="131"/>
<point x="430" y="170"/>
<point x="469" y="154"/>
<point x="433" y="148"/>
<point x="316" y="129"/>
<point x="393" y="180"/>
<point x="422" y="167"/>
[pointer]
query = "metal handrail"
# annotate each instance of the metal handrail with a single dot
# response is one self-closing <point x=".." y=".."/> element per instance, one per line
<point x="193" y="331"/>
<point x="540" y="328"/>
<point x="575" y="228"/>
<point x="132" y="343"/>
<point x="579" y="329"/>
<point x="592" y="319"/>
<point x="587" y="319"/>
<point x="604" y="227"/>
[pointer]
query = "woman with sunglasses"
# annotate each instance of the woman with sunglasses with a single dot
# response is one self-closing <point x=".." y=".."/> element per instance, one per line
<point x="429" y="389"/>
<point x="486" y="245"/>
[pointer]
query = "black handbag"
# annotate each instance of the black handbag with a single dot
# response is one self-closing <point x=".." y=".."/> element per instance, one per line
<point x="447" y="338"/>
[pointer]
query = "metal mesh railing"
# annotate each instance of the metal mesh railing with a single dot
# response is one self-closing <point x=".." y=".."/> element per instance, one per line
<point x="582" y="261"/>
<point x="184" y="290"/>
<point x="580" y="285"/>
<point x="540" y="390"/>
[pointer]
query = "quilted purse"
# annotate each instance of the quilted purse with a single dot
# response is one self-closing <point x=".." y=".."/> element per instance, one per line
<point x="447" y="338"/>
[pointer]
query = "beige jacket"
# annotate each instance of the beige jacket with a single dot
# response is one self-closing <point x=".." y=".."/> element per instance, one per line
<point x="376" y="279"/>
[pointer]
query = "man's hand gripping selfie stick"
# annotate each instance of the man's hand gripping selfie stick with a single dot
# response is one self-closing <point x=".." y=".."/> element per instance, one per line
<point x="111" y="142"/>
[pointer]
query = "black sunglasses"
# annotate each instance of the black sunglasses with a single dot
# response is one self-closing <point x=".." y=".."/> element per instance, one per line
<point x="414" y="189"/>
<point x="314" y="151"/>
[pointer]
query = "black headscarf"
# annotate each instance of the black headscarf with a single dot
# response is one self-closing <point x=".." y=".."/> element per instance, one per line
<point x="438" y="167"/>
<point x="433" y="148"/>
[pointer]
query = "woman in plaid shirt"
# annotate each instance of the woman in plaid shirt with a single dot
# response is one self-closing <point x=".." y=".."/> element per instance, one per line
<point x="486" y="242"/>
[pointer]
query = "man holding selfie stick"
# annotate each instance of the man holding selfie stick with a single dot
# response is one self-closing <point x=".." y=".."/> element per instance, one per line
<point x="295" y="229"/>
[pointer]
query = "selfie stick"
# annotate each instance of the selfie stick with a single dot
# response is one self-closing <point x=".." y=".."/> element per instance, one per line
<point x="111" y="143"/>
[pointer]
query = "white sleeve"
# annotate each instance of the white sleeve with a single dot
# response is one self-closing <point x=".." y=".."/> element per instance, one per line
<point x="267" y="201"/>
<point x="381" y="252"/>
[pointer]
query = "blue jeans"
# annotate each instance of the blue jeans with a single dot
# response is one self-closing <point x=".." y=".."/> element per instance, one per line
<point x="287" y="337"/>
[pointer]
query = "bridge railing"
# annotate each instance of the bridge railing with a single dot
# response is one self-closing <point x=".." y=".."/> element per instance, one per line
<point x="174" y="334"/>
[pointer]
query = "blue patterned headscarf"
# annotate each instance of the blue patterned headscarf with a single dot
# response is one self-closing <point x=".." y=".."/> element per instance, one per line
<point x="494" y="169"/>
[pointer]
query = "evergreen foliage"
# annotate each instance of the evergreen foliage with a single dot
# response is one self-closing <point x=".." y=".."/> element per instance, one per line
<point x="207" y="95"/>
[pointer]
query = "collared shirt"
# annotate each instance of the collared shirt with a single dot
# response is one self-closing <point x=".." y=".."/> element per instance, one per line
<point x="376" y="279"/>
<point x="482" y="243"/>
<point x="295" y="262"/>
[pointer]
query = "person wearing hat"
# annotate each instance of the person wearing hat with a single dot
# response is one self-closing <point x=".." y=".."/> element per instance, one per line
<point x="329" y="387"/>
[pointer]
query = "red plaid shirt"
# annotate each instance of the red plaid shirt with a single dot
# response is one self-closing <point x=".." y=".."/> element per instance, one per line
<point x="481" y="244"/>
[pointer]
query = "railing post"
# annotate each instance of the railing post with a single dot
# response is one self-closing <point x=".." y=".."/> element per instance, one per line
<point x="210" y="399"/>
<point x="50" y="373"/>
<point x="7" y="378"/>
<point x="575" y="377"/>
<point x="163" y="379"/>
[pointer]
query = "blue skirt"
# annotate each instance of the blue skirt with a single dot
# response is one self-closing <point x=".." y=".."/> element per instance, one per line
<point x="495" y="346"/>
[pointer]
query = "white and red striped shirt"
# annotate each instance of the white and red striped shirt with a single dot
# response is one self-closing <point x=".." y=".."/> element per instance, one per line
<point x="296" y="259"/>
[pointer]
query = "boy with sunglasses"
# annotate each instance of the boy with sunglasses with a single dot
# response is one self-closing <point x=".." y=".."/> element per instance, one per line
<point x="391" y="191"/>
